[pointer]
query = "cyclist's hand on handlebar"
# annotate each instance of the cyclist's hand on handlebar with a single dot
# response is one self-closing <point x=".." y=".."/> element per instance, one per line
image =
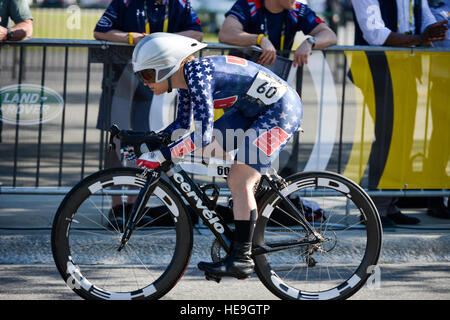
<point x="151" y="145"/>
<point x="151" y="160"/>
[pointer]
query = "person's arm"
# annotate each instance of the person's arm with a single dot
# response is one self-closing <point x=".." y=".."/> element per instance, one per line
<point x="184" y="114"/>
<point x="109" y="27"/>
<point x="191" y="25"/>
<point x="22" y="30"/>
<point x="232" y="32"/>
<point x="119" y="36"/>
<point x="368" y="17"/>
<point x="197" y="35"/>
<point x="324" y="37"/>
<point x="201" y="99"/>
<point x="433" y="32"/>
<point x="21" y="15"/>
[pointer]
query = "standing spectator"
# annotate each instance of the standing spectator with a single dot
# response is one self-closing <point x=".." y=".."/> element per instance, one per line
<point x="128" y="22"/>
<point x="400" y="23"/>
<point x="19" y="12"/>
<point x="438" y="157"/>
<point x="272" y="25"/>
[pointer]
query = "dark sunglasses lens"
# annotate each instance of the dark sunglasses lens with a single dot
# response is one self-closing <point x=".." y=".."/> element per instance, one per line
<point x="147" y="75"/>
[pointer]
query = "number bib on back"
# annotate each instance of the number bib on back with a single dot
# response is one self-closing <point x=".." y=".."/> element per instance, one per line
<point x="267" y="89"/>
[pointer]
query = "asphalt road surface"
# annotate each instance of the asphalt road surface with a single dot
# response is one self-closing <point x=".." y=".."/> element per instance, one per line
<point x="405" y="281"/>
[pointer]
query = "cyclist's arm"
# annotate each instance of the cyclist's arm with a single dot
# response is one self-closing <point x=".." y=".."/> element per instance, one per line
<point x="184" y="114"/>
<point x="199" y="78"/>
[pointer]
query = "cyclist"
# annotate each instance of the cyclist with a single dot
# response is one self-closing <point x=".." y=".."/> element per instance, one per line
<point x="261" y="104"/>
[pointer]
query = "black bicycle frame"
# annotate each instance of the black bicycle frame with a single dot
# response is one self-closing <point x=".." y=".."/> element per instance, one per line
<point x="202" y="206"/>
<point x="198" y="201"/>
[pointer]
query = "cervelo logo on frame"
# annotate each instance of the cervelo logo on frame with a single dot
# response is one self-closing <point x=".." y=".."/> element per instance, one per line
<point x="29" y="104"/>
<point x="210" y="216"/>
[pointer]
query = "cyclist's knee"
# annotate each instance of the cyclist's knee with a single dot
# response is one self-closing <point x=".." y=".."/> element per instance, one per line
<point x="242" y="177"/>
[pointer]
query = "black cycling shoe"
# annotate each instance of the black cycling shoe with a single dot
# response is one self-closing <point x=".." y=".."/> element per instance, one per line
<point x="116" y="217"/>
<point x="239" y="264"/>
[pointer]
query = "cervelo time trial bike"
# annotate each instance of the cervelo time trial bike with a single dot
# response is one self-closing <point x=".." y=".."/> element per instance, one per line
<point x="297" y="256"/>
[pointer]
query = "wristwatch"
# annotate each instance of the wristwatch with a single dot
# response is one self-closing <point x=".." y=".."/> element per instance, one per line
<point x="312" y="40"/>
<point x="10" y="34"/>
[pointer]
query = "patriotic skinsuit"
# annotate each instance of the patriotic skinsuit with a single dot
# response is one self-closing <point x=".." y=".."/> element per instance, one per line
<point x="259" y="104"/>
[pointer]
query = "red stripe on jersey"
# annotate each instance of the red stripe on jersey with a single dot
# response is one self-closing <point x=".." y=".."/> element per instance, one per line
<point x="236" y="60"/>
<point x="225" y="102"/>
<point x="271" y="140"/>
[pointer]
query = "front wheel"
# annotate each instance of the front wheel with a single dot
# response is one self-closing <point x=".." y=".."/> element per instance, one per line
<point x="342" y="216"/>
<point x="86" y="236"/>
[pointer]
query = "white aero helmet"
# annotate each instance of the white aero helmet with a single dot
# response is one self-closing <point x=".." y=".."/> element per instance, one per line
<point x="162" y="53"/>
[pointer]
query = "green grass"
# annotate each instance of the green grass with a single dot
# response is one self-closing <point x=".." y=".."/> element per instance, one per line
<point x="62" y="24"/>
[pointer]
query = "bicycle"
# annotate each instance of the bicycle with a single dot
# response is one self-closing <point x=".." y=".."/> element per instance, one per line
<point x="330" y="257"/>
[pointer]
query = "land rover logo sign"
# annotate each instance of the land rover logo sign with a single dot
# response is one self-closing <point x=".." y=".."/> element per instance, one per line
<point x="28" y="104"/>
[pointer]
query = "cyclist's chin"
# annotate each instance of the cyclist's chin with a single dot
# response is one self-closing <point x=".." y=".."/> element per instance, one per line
<point x="158" y="90"/>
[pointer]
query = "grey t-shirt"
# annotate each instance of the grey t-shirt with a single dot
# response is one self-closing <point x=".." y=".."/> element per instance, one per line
<point x="17" y="10"/>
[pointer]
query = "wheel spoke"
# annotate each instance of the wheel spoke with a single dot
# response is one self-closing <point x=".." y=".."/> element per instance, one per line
<point x="319" y="269"/>
<point x="86" y="236"/>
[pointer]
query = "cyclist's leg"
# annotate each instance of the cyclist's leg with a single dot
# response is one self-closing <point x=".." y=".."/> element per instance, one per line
<point x="241" y="180"/>
<point x="260" y="146"/>
<point x="228" y="132"/>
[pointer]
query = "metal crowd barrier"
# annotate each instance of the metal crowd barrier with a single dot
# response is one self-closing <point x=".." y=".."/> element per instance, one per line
<point x="48" y="155"/>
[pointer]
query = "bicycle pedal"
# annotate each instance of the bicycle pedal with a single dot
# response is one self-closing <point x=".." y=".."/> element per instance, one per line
<point x="211" y="277"/>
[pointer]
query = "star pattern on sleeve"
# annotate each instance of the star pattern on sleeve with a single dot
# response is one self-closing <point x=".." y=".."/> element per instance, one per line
<point x="200" y="78"/>
<point x="184" y="113"/>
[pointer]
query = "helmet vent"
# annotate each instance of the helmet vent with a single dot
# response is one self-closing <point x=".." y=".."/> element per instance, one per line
<point x="162" y="73"/>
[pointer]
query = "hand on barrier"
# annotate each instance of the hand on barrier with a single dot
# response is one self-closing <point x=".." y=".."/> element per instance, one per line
<point x="434" y="32"/>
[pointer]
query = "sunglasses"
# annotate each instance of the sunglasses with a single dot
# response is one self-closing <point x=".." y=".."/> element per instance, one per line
<point x="147" y="75"/>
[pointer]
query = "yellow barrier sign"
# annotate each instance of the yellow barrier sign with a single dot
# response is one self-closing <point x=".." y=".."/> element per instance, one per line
<point x="402" y="138"/>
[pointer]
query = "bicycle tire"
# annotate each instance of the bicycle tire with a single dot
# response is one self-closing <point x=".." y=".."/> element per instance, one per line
<point x="85" y="241"/>
<point x="350" y="226"/>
